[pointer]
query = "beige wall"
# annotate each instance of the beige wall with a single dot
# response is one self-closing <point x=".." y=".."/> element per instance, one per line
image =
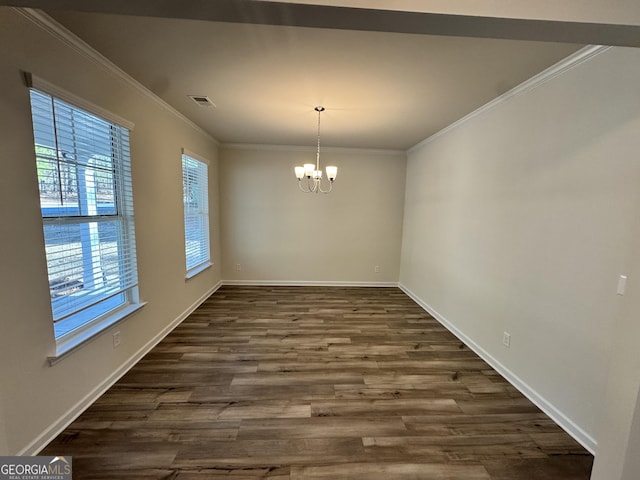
<point x="521" y="220"/>
<point x="277" y="233"/>
<point x="38" y="398"/>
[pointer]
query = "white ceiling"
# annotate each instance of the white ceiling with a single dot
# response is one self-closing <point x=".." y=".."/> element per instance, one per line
<point x="381" y="90"/>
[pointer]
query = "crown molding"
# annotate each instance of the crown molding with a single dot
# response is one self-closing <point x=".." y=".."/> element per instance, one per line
<point x="310" y="148"/>
<point x="583" y="55"/>
<point x="59" y="32"/>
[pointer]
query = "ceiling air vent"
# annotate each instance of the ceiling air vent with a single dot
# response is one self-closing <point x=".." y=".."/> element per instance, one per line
<point x="202" y="100"/>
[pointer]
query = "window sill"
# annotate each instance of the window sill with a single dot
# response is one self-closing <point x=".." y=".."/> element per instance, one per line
<point x="65" y="347"/>
<point x="196" y="270"/>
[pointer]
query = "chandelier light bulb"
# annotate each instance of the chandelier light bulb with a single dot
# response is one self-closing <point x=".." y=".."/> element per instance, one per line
<point x="309" y="168"/>
<point x="332" y="172"/>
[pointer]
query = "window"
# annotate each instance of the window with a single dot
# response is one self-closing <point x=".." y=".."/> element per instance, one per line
<point x="87" y="214"/>
<point x="196" y="213"/>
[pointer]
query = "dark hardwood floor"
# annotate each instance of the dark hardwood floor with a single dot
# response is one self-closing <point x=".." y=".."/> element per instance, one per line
<point x="315" y="383"/>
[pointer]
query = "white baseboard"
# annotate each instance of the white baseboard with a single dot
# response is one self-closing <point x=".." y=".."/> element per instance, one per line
<point x="74" y="412"/>
<point x="306" y="283"/>
<point x="582" y="437"/>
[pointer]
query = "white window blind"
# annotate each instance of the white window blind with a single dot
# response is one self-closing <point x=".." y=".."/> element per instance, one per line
<point x="86" y="199"/>
<point x="196" y="213"/>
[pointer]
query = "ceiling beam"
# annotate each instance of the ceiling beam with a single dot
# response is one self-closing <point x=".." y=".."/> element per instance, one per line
<point x="325" y="14"/>
<point x="621" y="12"/>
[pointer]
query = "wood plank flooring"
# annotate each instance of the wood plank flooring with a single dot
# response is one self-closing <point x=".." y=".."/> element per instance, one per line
<point x="315" y="383"/>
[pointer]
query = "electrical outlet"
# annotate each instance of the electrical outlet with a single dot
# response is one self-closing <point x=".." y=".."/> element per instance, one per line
<point x="506" y="339"/>
<point x="238" y="267"/>
<point x="376" y="269"/>
<point x="116" y="339"/>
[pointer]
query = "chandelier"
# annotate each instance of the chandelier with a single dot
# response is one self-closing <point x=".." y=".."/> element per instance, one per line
<point x="313" y="173"/>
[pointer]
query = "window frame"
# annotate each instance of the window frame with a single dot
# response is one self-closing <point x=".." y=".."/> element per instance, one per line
<point x="203" y="214"/>
<point x="68" y="341"/>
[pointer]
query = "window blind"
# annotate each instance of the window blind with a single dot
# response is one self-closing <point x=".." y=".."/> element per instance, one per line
<point x="86" y="199"/>
<point x="196" y="212"/>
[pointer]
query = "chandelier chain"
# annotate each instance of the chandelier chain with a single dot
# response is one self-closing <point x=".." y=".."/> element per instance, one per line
<point x="319" y="110"/>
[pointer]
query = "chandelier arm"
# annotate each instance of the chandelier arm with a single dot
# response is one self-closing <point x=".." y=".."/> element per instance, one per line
<point x="307" y="190"/>
<point x="326" y="191"/>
